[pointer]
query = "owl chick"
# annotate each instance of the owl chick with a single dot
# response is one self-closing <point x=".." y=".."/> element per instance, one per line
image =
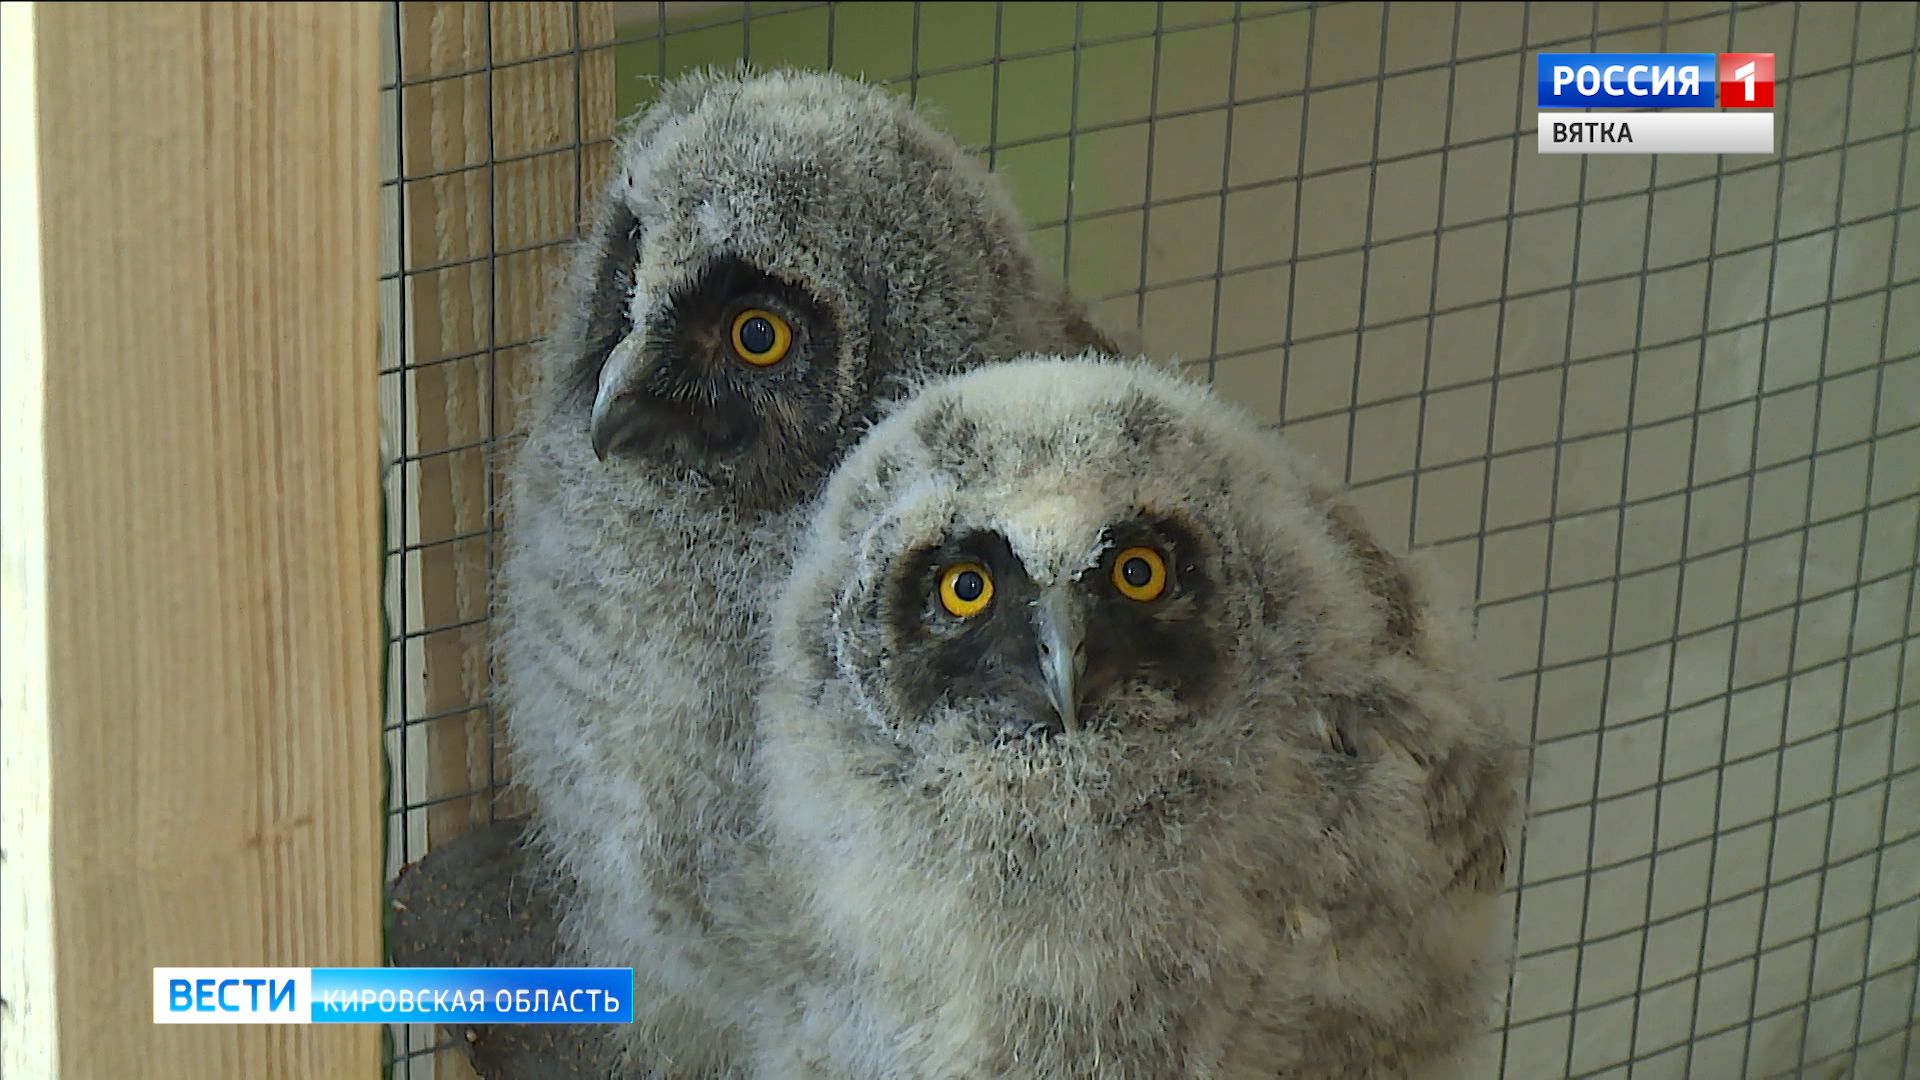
<point x="775" y="257"/>
<point x="1104" y="741"/>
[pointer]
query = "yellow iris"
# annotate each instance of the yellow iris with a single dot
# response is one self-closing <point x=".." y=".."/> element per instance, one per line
<point x="1140" y="574"/>
<point x="760" y="337"/>
<point x="965" y="589"/>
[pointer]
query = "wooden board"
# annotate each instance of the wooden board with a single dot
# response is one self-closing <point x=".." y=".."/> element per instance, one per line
<point x="504" y="116"/>
<point x="191" y="534"/>
<point x="498" y="174"/>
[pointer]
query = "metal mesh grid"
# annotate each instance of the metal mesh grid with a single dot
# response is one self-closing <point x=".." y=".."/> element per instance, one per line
<point x="1661" y="417"/>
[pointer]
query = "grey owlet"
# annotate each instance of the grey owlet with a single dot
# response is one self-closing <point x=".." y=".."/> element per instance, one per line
<point x="775" y="257"/>
<point x="1105" y="741"/>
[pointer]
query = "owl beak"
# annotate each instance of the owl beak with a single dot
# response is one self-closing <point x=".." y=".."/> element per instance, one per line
<point x="1061" y="633"/>
<point x="614" y="415"/>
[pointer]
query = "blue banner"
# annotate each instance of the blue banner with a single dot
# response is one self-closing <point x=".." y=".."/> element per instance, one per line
<point x="1627" y="80"/>
<point x="232" y="995"/>
<point x="472" y="995"/>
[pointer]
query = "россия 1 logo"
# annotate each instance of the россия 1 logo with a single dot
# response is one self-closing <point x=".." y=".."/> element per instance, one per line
<point x="1729" y="98"/>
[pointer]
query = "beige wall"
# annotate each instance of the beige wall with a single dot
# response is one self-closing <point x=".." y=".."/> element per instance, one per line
<point x="1740" y="643"/>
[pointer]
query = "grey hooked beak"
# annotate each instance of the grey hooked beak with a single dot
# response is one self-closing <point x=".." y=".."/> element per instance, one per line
<point x="613" y="417"/>
<point x="1059" y="627"/>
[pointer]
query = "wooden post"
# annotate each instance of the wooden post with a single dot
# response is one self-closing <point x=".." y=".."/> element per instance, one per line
<point x="191" y="540"/>
<point x="496" y="173"/>
<point x="505" y="112"/>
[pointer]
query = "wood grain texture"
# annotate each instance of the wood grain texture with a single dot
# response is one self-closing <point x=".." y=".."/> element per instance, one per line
<point x="488" y="125"/>
<point x="504" y="116"/>
<point x="208" y="185"/>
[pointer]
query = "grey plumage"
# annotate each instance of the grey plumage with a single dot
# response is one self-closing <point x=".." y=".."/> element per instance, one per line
<point x="656" y="502"/>
<point x="1251" y="824"/>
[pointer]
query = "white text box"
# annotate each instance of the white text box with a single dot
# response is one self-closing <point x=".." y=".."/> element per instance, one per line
<point x="1656" y="133"/>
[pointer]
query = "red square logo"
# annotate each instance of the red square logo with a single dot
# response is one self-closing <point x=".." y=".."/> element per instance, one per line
<point x="1746" y="80"/>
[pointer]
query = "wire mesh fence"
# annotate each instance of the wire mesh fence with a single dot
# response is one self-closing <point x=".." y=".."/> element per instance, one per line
<point x="1660" y="416"/>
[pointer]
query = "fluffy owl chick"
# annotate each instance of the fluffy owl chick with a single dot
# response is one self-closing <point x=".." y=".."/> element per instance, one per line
<point x="774" y="256"/>
<point x="1104" y="741"/>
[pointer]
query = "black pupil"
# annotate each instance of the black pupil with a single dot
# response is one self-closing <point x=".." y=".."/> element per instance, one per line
<point x="756" y="335"/>
<point x="1137" y="572"/>
<point x="968" y="586"/>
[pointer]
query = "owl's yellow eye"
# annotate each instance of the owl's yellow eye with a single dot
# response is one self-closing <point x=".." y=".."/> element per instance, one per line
<point x="965" y="589"/>
<point x="760" y="337"/>
<point x="1140" y="574"/>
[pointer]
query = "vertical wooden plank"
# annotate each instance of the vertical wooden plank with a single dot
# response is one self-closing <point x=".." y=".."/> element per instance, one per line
<point x="506" y="118"/>
<point x="206" y="553"/>
<point x="489" y="117"/>
<point x="29" y="1038"/>
<point x="443" y="51"/>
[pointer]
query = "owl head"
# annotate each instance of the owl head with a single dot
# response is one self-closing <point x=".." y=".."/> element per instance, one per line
<point x="1087" y="684"/>
<point x="1079" y="594"/>
<point x="773" y="254"/>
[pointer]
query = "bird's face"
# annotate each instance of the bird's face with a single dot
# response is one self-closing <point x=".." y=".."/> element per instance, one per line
<point x="1064" y="591"/>
<point x="774" y="260"/>
<point x="1024" y="655"/>
<point x="1073" y="644"/>
<point x="727" y="376"/>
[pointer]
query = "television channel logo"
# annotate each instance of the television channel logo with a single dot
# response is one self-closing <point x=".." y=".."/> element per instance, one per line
<point x="1727" y="100"/>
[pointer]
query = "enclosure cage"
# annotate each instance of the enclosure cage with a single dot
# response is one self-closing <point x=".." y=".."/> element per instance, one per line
<point x="1661" y="416"/>
<point x="1658" y="418"/>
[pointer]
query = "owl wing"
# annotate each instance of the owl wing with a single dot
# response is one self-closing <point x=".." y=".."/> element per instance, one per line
<point x="1424" y="713"/>
<point x="1466" y="787"/>
<point x="1471" y="799"/>
<point x="1082" y="334"/>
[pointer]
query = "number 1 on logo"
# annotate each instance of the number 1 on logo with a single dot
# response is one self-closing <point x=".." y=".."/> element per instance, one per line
<point x="1744" y="73"/>
<point x="1753" y="73"/>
